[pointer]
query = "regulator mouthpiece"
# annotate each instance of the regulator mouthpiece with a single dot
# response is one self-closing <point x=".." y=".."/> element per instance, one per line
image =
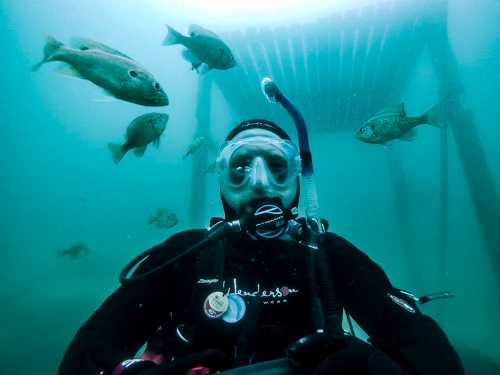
<point x="269" y="89"/>
<point x="269" y="219"/>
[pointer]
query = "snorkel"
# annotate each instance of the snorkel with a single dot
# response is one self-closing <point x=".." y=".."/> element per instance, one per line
<point x="329" y="319"/>
<point x="274" y="95"/>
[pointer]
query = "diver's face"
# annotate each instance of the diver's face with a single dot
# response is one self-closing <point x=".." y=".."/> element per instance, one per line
<point x="258" y="165"/>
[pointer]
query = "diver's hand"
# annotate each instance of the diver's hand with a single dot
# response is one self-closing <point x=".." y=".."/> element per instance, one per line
<point x="213" y="359"/>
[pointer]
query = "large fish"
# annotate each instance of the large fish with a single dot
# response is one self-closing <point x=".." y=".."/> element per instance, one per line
<point x="117" y="74"/>
<point x="393" y="123"/>
<point x="203" y="46"/>
<point x="142" y="131"/>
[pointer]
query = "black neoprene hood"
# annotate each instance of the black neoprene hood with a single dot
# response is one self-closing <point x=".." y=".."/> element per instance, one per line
<point x="258" y="124"/>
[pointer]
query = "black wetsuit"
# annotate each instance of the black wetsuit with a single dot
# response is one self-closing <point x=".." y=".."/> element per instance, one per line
<point x="271" y="278"/>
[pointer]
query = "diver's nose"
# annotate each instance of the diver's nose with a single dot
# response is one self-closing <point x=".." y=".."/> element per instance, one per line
<point x="259" y="178"/>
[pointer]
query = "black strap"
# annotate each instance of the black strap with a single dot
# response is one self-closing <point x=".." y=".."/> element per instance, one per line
<point x="331" y="305"/>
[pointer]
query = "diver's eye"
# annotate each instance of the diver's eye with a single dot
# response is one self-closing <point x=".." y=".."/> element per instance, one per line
<point x="239" y="162"/>
<point x="84" y="48"/>
<point x="157" y="86"/>
<point x="133" y="73"/>
<point x="276" y="164"/>
<point x="150" y="122"/>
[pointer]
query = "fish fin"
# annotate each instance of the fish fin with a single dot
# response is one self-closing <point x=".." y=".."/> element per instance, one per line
<point x="173" y="37"/>
<point x="139" y="151"/>
<point x="198" y="30"/>
<point x="69" y="71"/>
<point x="409" y="136"/>
<point x="84" y="44"/>
<point x="392" y="110"/>
<point x="188" y="56"/>
<point x="156" y="142"/>
<point x="205" y="69"/>
<point x="434" y="116"/>
<point x="402" y="110"/>
<point x="52" y="45"/>
<point x="107" y="97"/>
<point x="387" y="146"/>
<point x="117" y="152"/>
<point x="196" y="67"/>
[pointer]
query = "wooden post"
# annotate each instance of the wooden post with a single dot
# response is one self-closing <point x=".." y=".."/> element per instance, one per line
<point x="401" y="209"/>
<point x="443" y="240"/>
<point x="200" y="158"/>
<point x="461" y="122"/>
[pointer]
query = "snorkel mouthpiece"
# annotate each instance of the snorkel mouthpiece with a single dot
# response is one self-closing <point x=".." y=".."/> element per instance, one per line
<point x="269" y="89"/>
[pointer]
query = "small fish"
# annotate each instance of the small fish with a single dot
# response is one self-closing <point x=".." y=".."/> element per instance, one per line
<point x="211" y="168"/>
<point x="392" y="123"/>
<point x="76" y="251"/>
<point x="194" y="146"/>
<point x="142" y="131"/>
<point x="163" y="218"/>
<point x="203" y="46"/>
<point x="119" y="76"/>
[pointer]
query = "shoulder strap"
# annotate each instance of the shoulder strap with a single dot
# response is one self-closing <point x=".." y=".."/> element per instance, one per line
<point x="331" y="305"/>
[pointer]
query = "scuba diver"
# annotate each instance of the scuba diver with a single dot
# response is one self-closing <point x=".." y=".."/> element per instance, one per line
<point x="261" y="291"/>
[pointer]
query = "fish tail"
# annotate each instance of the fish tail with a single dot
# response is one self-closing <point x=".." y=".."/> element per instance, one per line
<point x="173" y="37"/>
<point x="117" y="152"/>
<point x="52" y="45"/>
<point x="433" y="116"/>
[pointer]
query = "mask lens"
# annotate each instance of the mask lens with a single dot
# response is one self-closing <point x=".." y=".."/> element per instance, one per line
<point x="239" y="168"/>
<point x="237" y="161"/>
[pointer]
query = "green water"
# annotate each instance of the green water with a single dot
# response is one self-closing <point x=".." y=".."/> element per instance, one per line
<point x="59" y="185"/>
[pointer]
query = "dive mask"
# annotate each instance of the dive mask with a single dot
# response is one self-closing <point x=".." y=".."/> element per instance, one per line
<point x="276" y="160"/>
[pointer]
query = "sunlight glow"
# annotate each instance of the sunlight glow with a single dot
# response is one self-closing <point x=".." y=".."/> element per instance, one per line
<point x="253" y="12"/>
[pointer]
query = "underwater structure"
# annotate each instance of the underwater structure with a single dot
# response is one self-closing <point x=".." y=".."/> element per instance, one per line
<point x="327" y="66"/>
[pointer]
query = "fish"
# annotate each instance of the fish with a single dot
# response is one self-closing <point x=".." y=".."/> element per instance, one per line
<point x="210" y="168"/>
<point x="142" y="131"/>
<point x="119" y="76"/>
<point x="163" y="218"/>
<point x="76" y="251"/>
<point x="202" y="47"/>
<point x="194" y="146"/>
<point x="393" y="123"/>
